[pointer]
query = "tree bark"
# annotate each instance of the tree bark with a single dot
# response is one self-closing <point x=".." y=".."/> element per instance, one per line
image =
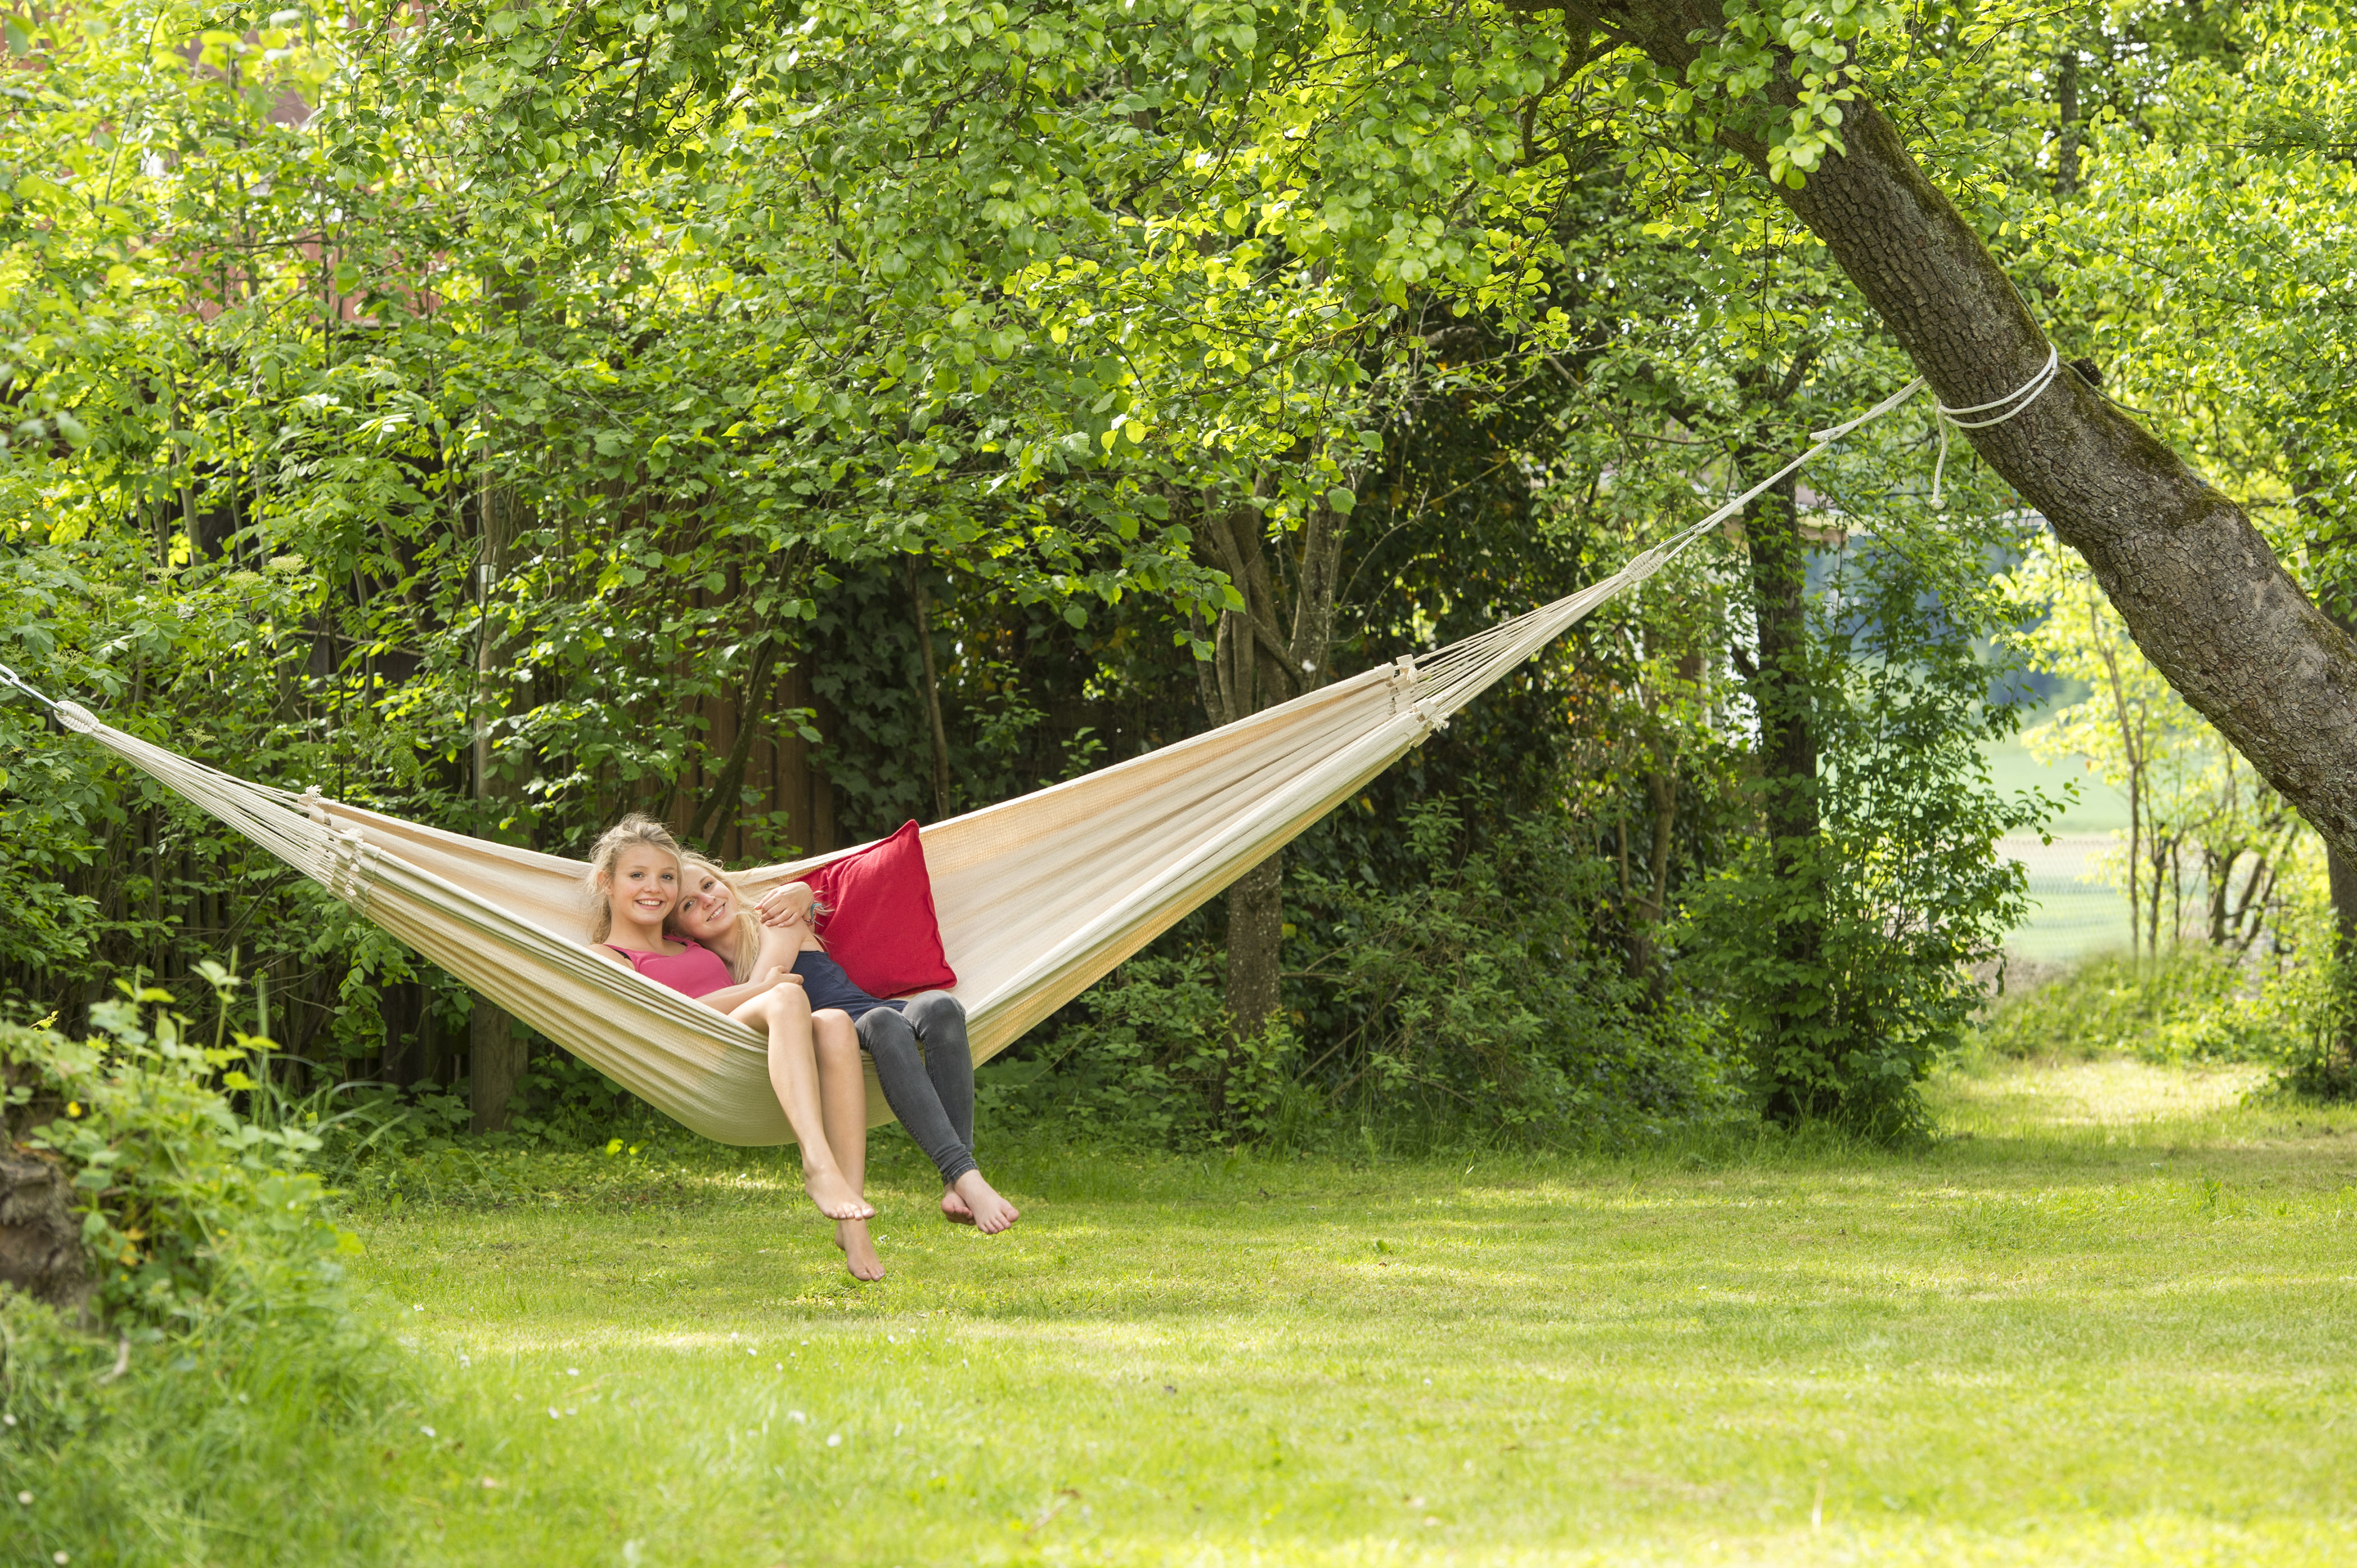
<point x="922" y="603"/>
<point x="40" y="1239"/>
<point x="1784" y="696"/>
<point x="2202" y="593"/>
<point x="496" y="1061"/>
<point x="1261" y="655"/>
<point x="2066" y="114"/>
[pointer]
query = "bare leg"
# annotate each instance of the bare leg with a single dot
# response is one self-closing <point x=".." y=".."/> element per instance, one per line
<point x="784" y="1013"/>
<point x="842" y="1104"/>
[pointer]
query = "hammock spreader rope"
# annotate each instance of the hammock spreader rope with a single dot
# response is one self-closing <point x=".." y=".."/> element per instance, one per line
<point x="1038" y="896"/>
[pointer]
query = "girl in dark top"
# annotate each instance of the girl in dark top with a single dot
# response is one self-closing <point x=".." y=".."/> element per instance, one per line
<point x="919" y="1043"/>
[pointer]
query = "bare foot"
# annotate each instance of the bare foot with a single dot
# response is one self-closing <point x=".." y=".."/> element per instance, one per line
<point x="954" y="1208"/>
<point x="834" y="1197"/>
<point x="991" y="1212"/>
<point x="859" y="1249"/>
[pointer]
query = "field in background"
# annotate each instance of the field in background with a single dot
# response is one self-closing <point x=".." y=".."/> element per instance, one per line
<point x="2107" y="1321"/>
<point x="2073" y="914"/>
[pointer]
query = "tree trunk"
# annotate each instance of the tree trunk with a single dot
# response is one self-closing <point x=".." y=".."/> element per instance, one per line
<point x="1256" y="944"/>
<point x="2342" y="871"/>
<point x="2066" y="114"/>
<point x="496" y="1061"/>
<point x="1784" y="695"/>
<point x="40" y="1238"/>
<point x="1262" y="656"/>
<point x="922" y="603"/>
<point x="2202" y="593"/>
<point x="495" y="1056"/>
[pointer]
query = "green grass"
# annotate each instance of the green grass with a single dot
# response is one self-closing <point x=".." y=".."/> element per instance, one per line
<point x="2101" y="808"/>
<point x="2105" y="1319"/>
<point x="2108" y="1321"/>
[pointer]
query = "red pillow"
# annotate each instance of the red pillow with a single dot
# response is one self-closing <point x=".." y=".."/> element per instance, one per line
<point x="882" y="928"/>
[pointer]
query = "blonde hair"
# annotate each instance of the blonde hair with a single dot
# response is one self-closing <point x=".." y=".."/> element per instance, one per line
<point x="632" y="832"/>
<point x="745" y="934"/>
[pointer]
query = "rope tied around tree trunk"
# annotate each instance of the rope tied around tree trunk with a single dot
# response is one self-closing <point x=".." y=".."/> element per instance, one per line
<point x="1999" y="409"/>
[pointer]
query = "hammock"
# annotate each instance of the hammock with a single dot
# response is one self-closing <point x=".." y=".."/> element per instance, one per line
<point x="1038" y="897"/>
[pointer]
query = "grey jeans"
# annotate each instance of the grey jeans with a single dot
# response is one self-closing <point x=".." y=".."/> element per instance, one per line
<point x="927" y="1070"/>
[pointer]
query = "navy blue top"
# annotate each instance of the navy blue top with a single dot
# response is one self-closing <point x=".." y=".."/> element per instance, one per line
<point x="826" y="985"/>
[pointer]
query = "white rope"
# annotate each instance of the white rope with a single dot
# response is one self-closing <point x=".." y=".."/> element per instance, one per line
<point x="2011" y="404"/>
<point x="10" y="678"/>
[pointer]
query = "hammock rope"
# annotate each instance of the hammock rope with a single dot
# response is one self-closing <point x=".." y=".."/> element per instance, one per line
<point x="1038" y="897"/>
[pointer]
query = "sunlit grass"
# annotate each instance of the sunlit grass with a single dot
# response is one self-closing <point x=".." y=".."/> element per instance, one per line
<point x="2110" y="1325"/>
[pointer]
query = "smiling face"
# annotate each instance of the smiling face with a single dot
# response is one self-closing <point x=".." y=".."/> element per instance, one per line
<point x="707" y="910"/>
<point x="643" y="885"/>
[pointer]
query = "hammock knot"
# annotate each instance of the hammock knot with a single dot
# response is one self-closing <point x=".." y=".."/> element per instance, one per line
<point x="1405" y="678"/>
<point x="77" y="718"/>
<point x="348" y="869"/>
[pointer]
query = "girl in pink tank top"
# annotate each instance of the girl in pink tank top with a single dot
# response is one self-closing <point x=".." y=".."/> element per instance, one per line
<point x="698" y="971"/>
<point x="634" y="878"/>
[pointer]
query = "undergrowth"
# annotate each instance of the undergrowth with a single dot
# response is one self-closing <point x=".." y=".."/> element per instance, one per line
<point x="2190" y="1004"/>
<point x="219" y="1382"/>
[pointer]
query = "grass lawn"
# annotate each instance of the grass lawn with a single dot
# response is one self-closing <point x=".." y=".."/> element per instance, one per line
<point x="2109" y="1321"/>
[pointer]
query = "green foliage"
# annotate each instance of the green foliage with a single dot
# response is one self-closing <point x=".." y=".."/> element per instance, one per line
<point x="2191" y="1003"/>
<point x="1475" y="1000"/>
<point x="1479" y="996"/>
<point x="1847" y="955"/>
<point x="1154" y="1058"/>
<point x="226" y="1383"/>
<point x="191" y="1213"/>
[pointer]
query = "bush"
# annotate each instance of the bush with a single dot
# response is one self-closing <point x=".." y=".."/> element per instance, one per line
<point x="1477" y="999"/>
<point x="1151" y="1058"/>
<point x="1481" y="996"/>
<point x="211" y="1392"/>
<point x="2189" y="1004"/>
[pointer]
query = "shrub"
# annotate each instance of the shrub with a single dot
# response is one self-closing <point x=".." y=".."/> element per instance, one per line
<point x="1150" y="1056"/>
<point x="1475" y="1000"/>
<point x="203" y="1401"/>
<point x="1481" y="995"/>
<point x="2189" y="1004"/>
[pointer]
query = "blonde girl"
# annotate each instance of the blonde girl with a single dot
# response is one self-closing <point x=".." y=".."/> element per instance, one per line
<point x="634" y="884"/>
<point x="919" y="1043"/>
<point x="712" y="915"/>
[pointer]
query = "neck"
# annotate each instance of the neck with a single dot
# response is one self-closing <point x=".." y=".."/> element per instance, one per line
<point x="636" y="934"/>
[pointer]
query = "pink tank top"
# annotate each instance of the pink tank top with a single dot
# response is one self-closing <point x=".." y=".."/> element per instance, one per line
<point x="698" y="972"/>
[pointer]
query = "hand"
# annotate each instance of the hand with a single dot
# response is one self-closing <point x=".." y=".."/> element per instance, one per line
<point x="781" y="908"/>
<point x="779" y="974"/>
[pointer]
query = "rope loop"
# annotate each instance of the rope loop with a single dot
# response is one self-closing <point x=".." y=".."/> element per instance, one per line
<point x="1999" y="409"/>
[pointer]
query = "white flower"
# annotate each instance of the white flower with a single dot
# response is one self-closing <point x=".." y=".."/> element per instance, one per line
<point x="834" y="1440"/>
<point x="427" y="1430"/>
